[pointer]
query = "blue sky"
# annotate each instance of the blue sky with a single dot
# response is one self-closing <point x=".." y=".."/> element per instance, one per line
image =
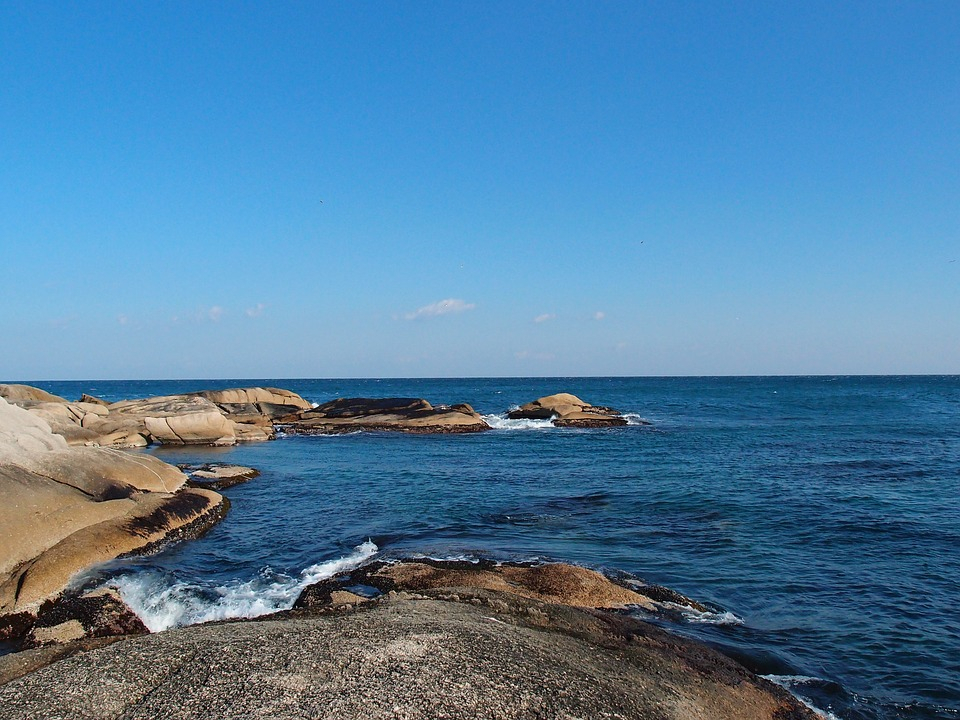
<point x="398" y="189"/>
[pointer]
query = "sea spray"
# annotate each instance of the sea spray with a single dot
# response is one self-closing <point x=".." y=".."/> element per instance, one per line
<point x="502" y="422"/>
<point x="163" y="603"/>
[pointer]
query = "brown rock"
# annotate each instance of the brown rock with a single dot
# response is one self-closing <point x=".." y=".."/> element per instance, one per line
<point x="568" y="410"/>
<point x="412" y="415"/>
<point x="218" y="477"/>
<point x="64" y="509"/>
<point x="20" y="393"/>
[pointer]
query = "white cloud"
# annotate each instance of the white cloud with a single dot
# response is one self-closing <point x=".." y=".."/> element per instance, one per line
<point x="443" y="307"/>
<point x="255" y="311"/>
<point x="544" y="317"/>
<point x="123" y="319"/>
<point x="215" y="313"/>
<point x="599" y="315"/>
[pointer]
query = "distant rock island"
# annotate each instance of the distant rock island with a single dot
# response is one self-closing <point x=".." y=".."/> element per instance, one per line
<point x="566" y="410"/>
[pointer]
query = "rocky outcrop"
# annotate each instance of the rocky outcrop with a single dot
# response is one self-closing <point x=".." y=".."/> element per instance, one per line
<point x="94" y="614"/>
<point x="411" y="415"/>
<point x="211" y="417"/>
<point x="218" y="477"/>
<point x="557" y="583"/>
<point x="64" y="509"/>
<point x="491" y="655"/>
<point x="566" y="410"/>
<point x="27" y="393"/>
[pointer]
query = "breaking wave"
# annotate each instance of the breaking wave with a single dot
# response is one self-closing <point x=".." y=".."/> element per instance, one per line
<point x="162" y="603"/>
<point x="502" y="422"/>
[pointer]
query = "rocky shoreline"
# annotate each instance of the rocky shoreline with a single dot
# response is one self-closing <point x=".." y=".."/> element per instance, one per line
<point x="415" y="638"/>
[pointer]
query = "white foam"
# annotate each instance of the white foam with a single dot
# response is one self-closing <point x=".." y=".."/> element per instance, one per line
<point x="706" y="617"/>
<point x="502" y="422"/>
<point x="162" y="605"/>
<point x="635" y="419"/>
<point x="789" y="682"/>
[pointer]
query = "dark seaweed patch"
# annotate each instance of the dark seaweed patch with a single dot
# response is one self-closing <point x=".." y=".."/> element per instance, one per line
<point x="180" y="508"/>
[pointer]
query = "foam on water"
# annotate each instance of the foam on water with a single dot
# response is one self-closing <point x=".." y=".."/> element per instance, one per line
<point x="634" y="419"/>
<point x="791" y="682"/>
<point x="693" y="615"/>
<point x="502" y="422"/>
<point x="163" y="604"/>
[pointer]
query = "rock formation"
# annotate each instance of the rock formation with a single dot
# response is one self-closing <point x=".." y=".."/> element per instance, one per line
<point x="411" y="415"/>
<point x="486" y="654"/>
<point x="64" y="509"/>
<point x="211" y="417"/>
<point x="566" y="410"/>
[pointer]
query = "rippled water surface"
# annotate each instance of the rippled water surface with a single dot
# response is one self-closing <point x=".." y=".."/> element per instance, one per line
<point x="819" y="517"/>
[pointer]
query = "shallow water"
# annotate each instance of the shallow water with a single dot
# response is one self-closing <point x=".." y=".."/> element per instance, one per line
<point x="819" y="517"/>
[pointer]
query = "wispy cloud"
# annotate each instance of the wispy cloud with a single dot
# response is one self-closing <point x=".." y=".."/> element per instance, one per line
<point x="215" y="313"/>
<point x="599" y="315"/>
<point x="255" y="311"/>
<point x="543" y="318"/>
<point x="443" y="307"/>
<point x="123" y="319"/>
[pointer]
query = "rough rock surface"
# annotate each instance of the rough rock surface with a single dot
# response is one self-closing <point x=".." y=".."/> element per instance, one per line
<point x="557" y="583"/>
<point x="64" y="509"/>
<point x="411" y="415"/>
<point x="490" y="656"/>
<point x="568" y="410"/>
<point x="217" y="477"/>
<point x="209" y="417"/>
<point x="99" y="613"/>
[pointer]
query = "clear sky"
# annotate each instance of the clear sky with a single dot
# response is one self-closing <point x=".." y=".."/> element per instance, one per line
<point x="351" y="189"/>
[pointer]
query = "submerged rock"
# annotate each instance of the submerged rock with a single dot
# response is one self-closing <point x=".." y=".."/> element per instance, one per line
<point x="566" y="410"/>
<point x="494" y="655"/>
<point x="411" y="415"/>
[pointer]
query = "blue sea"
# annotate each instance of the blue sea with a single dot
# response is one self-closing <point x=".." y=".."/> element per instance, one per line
<point x="818" y="517"/>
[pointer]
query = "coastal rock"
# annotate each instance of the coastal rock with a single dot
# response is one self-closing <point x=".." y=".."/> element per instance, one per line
<point x="557" y="583"/>
<point x="495" y="656"/>
<point x="64" y="509"/>
<point x="217" y="477"/>
<point x="411" y="415"/>
<point x="276" y="400"/>
<point x="209" y="417"/>
<point x="98" y="613"/>
<point x="566" y="410"/>
<point x="21" y="393"/>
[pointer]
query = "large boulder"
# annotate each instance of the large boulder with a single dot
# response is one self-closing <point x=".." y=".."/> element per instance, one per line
<point x="21" y="393"/>
<point x="492" y="655"/>
<point x="566" y="410"/>
<point x="411" y="415"/>
<point x="64" y="509"/>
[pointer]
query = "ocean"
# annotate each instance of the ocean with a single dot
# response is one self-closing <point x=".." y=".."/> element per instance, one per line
<point x="818" y="517"/>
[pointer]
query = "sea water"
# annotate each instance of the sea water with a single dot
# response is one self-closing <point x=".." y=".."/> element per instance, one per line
<point x="818" y="517"/>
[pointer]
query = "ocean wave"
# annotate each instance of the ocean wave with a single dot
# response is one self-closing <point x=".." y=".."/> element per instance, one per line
<point x="692" y="615"/>
<point x="162" y="603"/>
<point x="635" y="419"/>
<point x="791" y="682"/>
<point x="502" y="422"/>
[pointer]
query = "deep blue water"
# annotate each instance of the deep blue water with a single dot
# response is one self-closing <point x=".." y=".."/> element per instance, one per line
<point x="824" y="512"/>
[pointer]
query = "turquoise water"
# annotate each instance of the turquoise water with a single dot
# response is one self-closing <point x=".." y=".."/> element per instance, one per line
<point x="819" y="517"/>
